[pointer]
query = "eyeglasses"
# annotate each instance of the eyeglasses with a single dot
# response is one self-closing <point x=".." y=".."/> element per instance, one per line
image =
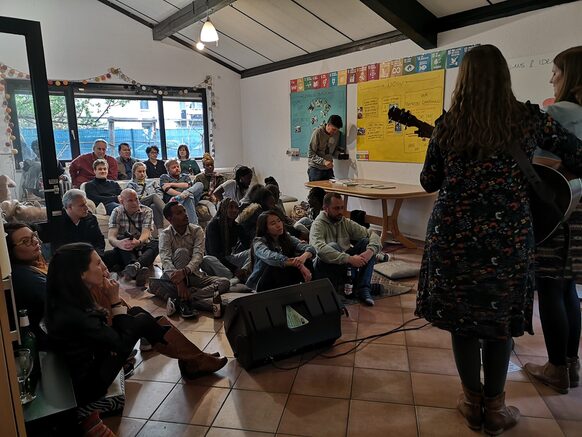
<point x="29" y="241"/>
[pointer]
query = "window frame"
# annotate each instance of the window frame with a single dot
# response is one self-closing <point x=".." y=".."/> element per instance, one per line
<point x="102" y="91"/>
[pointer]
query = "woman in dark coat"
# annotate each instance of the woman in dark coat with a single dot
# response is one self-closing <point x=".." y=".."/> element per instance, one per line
<point x="94" y="350"/>
<point x="477" y="275"/>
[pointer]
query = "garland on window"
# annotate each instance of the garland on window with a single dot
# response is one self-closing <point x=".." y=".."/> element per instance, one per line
<point x="112" y="72"/>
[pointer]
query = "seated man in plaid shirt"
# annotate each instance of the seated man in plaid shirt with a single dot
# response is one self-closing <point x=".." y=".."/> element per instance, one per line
<point x="130" y="228"/>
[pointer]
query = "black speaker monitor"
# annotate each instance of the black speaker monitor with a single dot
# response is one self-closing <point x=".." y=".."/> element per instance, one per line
<point x="281" y="322"/>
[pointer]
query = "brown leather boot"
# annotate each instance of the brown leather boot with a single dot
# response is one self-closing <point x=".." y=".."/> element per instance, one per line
<point x="191" y="360"/>
<point x="555" y="377"/>
<point x="470" y="406"/>
<point x="496" y="416"/>
<point x="573" y="371"/>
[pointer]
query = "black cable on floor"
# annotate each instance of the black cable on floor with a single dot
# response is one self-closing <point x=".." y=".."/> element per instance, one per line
<point x="400" y="328"/>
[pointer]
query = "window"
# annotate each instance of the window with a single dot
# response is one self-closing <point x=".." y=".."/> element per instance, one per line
<point x="184" y="122"/>
<point x="81" y="113"/>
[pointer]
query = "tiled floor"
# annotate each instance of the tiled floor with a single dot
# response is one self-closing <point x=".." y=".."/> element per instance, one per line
<point x="399" y="385"/>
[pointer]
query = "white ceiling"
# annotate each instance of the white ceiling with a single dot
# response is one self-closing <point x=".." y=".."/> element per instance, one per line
<point x="257" y="33"/>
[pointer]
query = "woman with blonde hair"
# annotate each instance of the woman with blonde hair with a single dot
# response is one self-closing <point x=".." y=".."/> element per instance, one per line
<point x="149" y="192"/>
<point x="557" y="272"/>
<point x="477" y="273"/>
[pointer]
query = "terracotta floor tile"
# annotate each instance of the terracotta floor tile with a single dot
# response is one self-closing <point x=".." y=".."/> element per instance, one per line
<point x="226" y="432"/>
<point x="349" y="329"/>
<point x="354" y="313"/>
<point x="124" y="426"/>
<point x="199" y="338"/>
<point x="382" y="356"/>
<point x="221" y="345"/>
<point x="566" y="407"/>
<point x="367" y="329"/>
<point x="165" y="429"/>
<point x="430" y="336"/>
<point x="157" y="367"/>
<point x="442" y="422"/>
<point x="531" y="345"/>
<point x="408" y="315"/>
<point x="268" y="378"/>
<point x="433" y="390"/>
<point x="191" y="404"/>
<point x="202" y="323"/>
<point x="382" y="386"/>
<point x="381" y="419"/>
<point x="520" y="375"/>
<point x="432" y="360"/>
<point x="251" y="410"/>
<point x="408" y="300"/>
<point x="325" y="381"/>
<point x="334" y="356"/>
<point x="392" y="315"/>
<point x="535" y="427"/>
<point x="389" y="301"/>
<point x="314" y="416"/>
<point x="524" y="396"/>
<point x="571" y="428"/>
<point x="142" y="398"/>
<point x="224" y="378"/>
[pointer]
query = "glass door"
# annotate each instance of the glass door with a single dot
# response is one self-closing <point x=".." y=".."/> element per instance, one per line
<point x="28" y="151"/>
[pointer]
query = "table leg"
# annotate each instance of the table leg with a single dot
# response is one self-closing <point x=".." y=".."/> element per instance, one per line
<point x="346" y="212"/>
<point x="393" y="223"/>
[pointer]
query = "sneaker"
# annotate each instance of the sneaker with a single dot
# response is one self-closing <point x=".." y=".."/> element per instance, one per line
<point x="171" y="307"/>
<point x="130" y="271"/>
<point x="186" y="310"/>
<point x="142" y="276"/>
<point x="145" y="345"/>
<point x="382" y="257"/>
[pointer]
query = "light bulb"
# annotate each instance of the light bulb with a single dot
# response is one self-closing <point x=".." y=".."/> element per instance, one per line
<point x="200" y="45"/>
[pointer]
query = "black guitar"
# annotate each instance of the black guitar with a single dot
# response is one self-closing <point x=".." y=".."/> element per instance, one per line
<point x="545" y="220"/>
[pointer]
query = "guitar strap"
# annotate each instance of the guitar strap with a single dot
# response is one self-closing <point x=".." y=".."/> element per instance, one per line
<point x="543" y="192"/>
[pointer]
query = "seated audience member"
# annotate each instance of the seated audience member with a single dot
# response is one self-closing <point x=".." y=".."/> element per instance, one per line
<point x="261" y="200"/>
<point x="78" y="224"/>
<point x="187" y="165"/>
<point x="182" y="255"/>
<point x="94" y="351"/>
<point x="236" y="188"/>
<point x="209" y="178"/>
<point x="315" y="201"/>
<point x="149" y="192"/>
<point x="101" y="189"/>
<point x="331" y="234"/>
<point x="278" y="259"/>
<point x="179" y="186"/>
<point x="296" y="229"/>
<point x="154" y="167"/>
<point x="223" y="239"/>
<point x="82" y="170"/>
<point x="124" y="162"/>
<point x="130" y="227"/>
<point x="29" y="270"/>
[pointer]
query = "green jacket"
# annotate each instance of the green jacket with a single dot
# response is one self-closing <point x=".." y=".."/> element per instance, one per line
<point x="323" y="232"/>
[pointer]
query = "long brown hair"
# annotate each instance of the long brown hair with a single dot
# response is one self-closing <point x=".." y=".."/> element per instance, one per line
<point x="570" y="64"/>
<point x="484" y="113"/>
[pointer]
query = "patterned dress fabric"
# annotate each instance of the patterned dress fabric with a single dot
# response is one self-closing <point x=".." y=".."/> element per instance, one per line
<point x="477" y="274"/>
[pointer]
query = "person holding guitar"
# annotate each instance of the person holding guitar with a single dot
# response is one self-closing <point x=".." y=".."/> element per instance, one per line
<point x="477" y="273"/>
<point x="559" y="260"/>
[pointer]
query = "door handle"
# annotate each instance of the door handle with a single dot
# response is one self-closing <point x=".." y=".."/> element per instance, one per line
<point x="56" y="189"/>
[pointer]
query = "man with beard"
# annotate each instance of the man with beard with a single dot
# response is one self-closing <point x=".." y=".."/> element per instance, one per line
<point x="332" y="235"/>
<point x="179" y="186"/>
<point x="81" y="169"/>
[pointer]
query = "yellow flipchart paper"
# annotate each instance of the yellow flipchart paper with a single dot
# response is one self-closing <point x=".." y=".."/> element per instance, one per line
<point x="421" y="94"/>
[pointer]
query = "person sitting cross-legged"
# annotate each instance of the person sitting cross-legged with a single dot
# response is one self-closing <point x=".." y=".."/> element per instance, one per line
<point x="332" y="235"/>
<point x="182" y="255"/>
<point x="179" y="187"/>
<point x="101" y="189"/>
<point x="130" y="227"/>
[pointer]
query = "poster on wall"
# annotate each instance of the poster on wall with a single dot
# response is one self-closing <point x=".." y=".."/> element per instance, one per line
<point x="312" y="108"/>
<point x="383" y="140"/>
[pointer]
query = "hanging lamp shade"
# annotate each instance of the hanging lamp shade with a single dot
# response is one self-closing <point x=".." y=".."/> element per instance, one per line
<point x="208" y="32"/>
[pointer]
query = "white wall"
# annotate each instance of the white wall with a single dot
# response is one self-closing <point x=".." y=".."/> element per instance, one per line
<point x="83" y="38"/>
<point x="266" y="112"/>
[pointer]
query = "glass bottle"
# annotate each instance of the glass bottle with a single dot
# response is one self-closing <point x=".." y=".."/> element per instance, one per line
<point x="216" y="304"/>
<point x="349" y="285"/>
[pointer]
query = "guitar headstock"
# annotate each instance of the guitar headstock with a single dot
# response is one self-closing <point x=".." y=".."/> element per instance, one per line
<point x="401" y="115"/>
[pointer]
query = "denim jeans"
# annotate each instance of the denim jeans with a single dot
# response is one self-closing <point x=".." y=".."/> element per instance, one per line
<point x="316" y="174"/>
<point x="190" y="202"/>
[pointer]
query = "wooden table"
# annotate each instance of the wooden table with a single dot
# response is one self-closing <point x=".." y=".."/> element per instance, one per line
<point x="397" y="192"/>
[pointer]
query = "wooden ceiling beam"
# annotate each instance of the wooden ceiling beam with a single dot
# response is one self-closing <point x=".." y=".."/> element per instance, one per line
<point x="197" y="10"/>
<point x="410" y="18"/>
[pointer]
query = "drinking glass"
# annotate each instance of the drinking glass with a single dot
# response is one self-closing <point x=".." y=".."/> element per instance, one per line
<point x="24" y="363"/>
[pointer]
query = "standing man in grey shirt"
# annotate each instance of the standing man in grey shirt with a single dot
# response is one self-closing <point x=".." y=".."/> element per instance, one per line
<point x="323" y="147"/>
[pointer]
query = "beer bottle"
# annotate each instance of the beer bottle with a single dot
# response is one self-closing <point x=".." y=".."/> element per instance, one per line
<point x="216" y="304"/>
<point x="349" y="286"/>
<point x="28" y="341"/>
